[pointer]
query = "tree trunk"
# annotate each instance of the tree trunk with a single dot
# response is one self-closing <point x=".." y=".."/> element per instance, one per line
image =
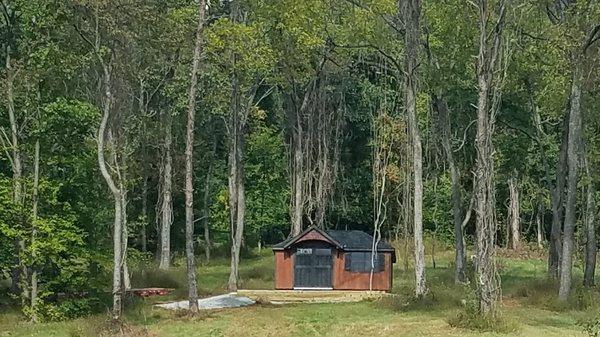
<point x="297" y="182"/>
<point x="167" y="197"/>
<point x="144" y="139"/>
<point x="460" y="261"/>
<point x="237" y="201"/>
<point x="488" y="288"/>
<point x="514" y="220"/>
<point x="34" y="217"/>
<point x="117" y="290"/>
<point x="412" y="15"/>
<point x="17" y="167"/>
<point x="206" y="202"/>
<point x="557" y="196"/>
<point x="189" y="165"/>
<point x="144" y="213"/>
<point x="591" y="248"/>
<point x="572" y="177"/>
<point x="539" y="215"/>
<point x="124" y="232"/>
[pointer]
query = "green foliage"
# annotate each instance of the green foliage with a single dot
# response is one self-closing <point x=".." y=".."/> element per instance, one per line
<point x="471" y="319"/>
<point x="591" y="327"/>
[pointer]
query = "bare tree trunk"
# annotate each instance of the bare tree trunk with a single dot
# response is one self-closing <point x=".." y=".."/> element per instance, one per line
<point x="17" y="168"/>
<point x="488" y="288"/>
<point x="541" y="138"/>
<point x="298" y="168"/>
<point x="298" y="174"/>
<point x="237" y="201"/>
<point x="460" y="261"/>
<point x="206" y="202"/>
<point x="144" y="213"/>
<point x="119" y="162"/>
<point x="34" y="217"/>
<point x="407" y="203"/>
<point x="412" y="14"/>
<point x="539" y="215"/>
<point x="189" y="165"/>
<point x="573" y="147"/>
<point x="591" y="245"/>
<point x="514" y="220"/>
<point x="381" y="155"/>
<point x="144" y="139"/>
<point x="117" y="289"/>
<point x="167" y="198"/>
<point x="557" y="196"/>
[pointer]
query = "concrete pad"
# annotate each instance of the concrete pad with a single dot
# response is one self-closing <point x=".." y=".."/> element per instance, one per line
<point x="216" y="302"/>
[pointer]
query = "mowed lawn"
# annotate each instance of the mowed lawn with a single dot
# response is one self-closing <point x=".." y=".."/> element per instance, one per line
<point x="528" y="308"/>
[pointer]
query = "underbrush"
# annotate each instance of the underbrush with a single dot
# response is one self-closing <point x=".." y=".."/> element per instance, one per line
<point x="106" y="327"/>
<point x="543" y="294"/>
<point x="469" y="318"/>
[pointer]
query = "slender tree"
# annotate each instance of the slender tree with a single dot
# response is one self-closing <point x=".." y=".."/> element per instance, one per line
<point x="167" y="193"/>
<point x="460" y="262"/>
<point x="514" y="219"/>
<point x="573" y="148"/>
<point x="189" y="163"/>
<point x="411" y="12"/>
<point x="591" y="244"/>
<point x="488" y="89"/>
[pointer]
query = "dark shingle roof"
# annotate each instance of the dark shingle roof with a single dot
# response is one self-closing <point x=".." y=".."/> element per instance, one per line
<point x="351" y="240"/>
<point x="356" y="240"/>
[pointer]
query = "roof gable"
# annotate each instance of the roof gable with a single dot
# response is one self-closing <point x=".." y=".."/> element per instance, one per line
<point x="311" y="233"/>
<point x="349" y="240"/>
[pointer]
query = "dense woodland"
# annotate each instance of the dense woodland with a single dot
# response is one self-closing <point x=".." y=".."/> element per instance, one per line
<point x="176" y="131"/>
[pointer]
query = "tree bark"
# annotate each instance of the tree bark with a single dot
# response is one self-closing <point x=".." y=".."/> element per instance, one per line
<point x="539" y="216"/>
<point x="206" y="202"/>
<point x="34" y="216"/>
<point x="558" y="196"/>
<point x="144" y="212"/>
<point x="167" y="198"/>
<point x="460" y="261"/>
<point x="17" y="168"/>
<point x="591" y="245"/>
<point x="514" y="220"/>
<point x="297" y="185"/>
<point x="189" y="165"/>
<point x="573" y="147"/>
<point x="488" y="288"/>
<point x="298" y="169"/>
<point x="412" y="14"/>
<point x="117" y="290"/>
<point x="237" y="200"/>
<point x="541" y="138"/>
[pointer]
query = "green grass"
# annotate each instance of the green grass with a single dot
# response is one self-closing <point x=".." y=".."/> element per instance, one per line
<point x="528" y="309"/>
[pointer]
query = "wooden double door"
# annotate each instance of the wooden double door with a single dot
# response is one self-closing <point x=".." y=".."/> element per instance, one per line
<point x="313" y="266"/>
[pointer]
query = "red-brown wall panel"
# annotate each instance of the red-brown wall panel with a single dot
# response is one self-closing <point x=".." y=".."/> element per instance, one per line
<point x="284" y="270"/>
<point x="345" y="280"/>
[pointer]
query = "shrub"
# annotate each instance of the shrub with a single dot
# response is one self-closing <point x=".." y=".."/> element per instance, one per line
<point x="592" y="327"/>
<point x="470" y="318"/>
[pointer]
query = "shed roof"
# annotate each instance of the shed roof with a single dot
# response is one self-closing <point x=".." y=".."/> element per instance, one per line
<point x="348" y="240"/>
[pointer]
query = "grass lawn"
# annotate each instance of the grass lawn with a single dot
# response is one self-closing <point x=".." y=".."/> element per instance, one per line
<point x="528" y="308"/>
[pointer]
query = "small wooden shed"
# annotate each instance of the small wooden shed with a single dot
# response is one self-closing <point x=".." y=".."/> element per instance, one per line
<point x="332" y="259"/>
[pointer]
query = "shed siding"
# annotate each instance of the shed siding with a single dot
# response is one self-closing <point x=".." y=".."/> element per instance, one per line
<point x="284" y="270"/>
<point x="345" y="280"/>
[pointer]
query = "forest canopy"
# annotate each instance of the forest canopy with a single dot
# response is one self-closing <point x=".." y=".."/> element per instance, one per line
<point x="152" y="132"/>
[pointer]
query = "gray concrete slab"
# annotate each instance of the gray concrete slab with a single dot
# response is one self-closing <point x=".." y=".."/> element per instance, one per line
<point x="216" y="302"/>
